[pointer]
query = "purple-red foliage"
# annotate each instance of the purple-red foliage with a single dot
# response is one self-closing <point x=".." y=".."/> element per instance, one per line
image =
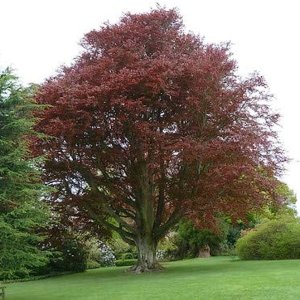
<point x="150" y="124"/>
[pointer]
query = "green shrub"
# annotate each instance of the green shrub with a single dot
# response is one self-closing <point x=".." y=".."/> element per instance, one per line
<point x="119" y="247"/>
<point x="92" y="264"/>
<point x="190" y="239"/>
<point x="226" y="249"/>
<point x="69" y="252"/>
<point x="275" y="239"/>
<point x="125" y="262"/>
<point x="127" y="255"/>
<point x="93" y="247"/>
<point x="74" y="256"/>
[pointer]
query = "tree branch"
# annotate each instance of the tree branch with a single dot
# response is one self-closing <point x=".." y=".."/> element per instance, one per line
<point x="173" y="219"/>
<point x="128" y="237"/>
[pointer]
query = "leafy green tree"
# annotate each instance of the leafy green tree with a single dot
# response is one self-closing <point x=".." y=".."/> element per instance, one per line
<point x="286" y="207"/>
<point x="288" y="203"/>
<point x="190" y="238"/>
<point x="21" y="211"/>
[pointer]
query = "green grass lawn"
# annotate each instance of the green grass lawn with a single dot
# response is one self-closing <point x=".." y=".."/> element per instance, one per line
<point x="213" y="278"/>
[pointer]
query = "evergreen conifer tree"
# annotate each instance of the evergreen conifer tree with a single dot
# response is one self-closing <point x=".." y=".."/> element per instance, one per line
<point x="21" y="209"/>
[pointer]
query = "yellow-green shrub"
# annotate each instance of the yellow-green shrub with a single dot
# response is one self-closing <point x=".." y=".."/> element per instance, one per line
<point x="275" y="239"/>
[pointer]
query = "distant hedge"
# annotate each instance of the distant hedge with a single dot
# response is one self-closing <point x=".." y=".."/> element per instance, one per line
<point x="125" y="262"/>
<point x="275" y="239"/>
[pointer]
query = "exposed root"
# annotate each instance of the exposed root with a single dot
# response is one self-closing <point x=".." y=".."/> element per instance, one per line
<point x="142" y="268"/>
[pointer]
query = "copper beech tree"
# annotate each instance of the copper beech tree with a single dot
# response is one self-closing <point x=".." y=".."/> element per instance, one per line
<point x="149" y="125"/>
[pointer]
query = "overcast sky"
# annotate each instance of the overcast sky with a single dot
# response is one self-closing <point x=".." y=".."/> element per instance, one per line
<point x="37" y="36"/>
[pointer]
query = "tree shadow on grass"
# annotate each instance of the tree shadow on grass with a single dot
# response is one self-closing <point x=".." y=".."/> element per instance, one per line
<point x="182" y="268"/>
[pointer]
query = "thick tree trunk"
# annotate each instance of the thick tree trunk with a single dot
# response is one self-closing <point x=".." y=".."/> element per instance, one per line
<point x="204" y="251"/>
<point x="146" y="256"/>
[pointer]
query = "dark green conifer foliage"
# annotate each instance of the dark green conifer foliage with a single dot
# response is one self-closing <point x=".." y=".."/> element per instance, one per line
<point x="21" y="211"/>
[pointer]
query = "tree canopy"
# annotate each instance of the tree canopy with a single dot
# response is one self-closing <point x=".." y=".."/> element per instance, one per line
<point x="21" y="208"/>
<point x="151" y="124"/>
